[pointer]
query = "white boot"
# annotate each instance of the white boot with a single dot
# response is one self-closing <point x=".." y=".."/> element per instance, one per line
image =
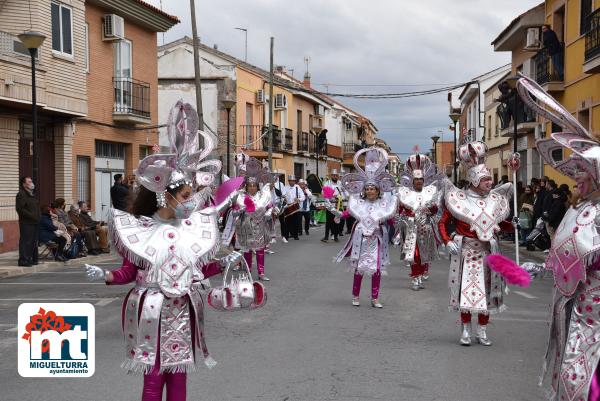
<point x="482" y="337"/>
<point x="415" y="284"/>
<point x="465" y="338"/>
<point x="355" y="301"/>
<point x="421" y="286"/>
<point x="375" y="303"/>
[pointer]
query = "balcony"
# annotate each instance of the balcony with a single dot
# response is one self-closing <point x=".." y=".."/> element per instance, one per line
<point x="289" y="140"/>
<point x="132" y="101"/>
<point x="307" y="142"/>
<point x="316" y="123"/>
<point x="256" y="139"/>
<point x="526" y="119"/>
<point x="546" y="73"/>
<point x="592" y="44"/>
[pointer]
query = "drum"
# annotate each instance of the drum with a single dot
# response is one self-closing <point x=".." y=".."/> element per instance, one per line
<point x="291" y="209"/>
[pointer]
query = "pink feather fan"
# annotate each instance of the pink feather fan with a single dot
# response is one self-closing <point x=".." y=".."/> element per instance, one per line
<point x="249" y="203"/>
<point x="328" y="192"/>
<point x="512" y="273"/>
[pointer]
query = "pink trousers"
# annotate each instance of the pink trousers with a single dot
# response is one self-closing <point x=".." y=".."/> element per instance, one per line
<point x="375" y="282"/>
<point x="594" y="394"/>
<point x="260" y="260"/>
<point x="154" y="383"/>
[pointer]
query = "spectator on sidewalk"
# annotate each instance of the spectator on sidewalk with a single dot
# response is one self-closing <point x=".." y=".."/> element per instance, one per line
<point x="555" y="50"/>
<point x="49" y="233"/>
<point x="28" y="209"/>
<point x="540" y="197"/>
<point x="525" y="207"/>
<point x="565" y="189"/>
<point x="77" y="248"/>
<point x="89" y="235"/>
<point x="555" y="203"/>
<point x="119" y="193"/>
<point x="98" y="226"/>
<point x="526" y="198"/>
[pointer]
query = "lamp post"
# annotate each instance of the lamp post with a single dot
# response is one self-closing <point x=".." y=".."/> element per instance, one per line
<point x="32" y="41"/>
<point x="228" y="104"/>
<point x="454" y="116"/>
<point x="246" y="43"/>
<point x="435" y="139"/>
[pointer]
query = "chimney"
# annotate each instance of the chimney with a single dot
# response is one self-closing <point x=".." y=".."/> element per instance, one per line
<point x="216" y="46"/>
<point x="306" y="79"/>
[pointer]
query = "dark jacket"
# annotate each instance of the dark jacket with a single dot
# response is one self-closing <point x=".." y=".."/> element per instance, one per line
<point x="118" y="196"/>
<point x="557" y="208"/>
<point x="538" y="207"/>
<point x="46" y="229"/>
<point x="87" y="220"/>
<point x="28" y="207"/>
<point x="525" y="198"/>
<point x="551" y="42"/>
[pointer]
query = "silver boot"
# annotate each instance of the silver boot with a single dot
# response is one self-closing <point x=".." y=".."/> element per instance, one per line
<point x="415" y="284"/>
<point x="482" y="337"/>
<point x="421" y="285"/>
<point x="425" y="277"/>
<point x="465" y="338"/>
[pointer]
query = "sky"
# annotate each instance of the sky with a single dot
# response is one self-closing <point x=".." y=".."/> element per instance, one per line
<point x="357" y="46"/>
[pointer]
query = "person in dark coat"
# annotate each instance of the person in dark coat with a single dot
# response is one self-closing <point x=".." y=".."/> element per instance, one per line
<point x="556" y="210"/>
<point x="555" y="49"/>
<point x="119" y="193"/>
<point x="540" y="197"/>
<point x="48" y="232"/>
<point x="28" y="209"/>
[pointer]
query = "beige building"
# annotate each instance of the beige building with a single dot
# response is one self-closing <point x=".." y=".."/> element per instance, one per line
<point x="499" y="147"/>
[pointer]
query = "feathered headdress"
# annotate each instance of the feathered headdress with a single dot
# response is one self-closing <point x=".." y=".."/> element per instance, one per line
<point x="419" y="166"/>
<point x="376" y="159"/>
<point x="256" y="173"/>
<point x="585" y="148"/>
<point x="240" y="161"/>
<point x="184" y="163"/>
<point x="473" y="156"/>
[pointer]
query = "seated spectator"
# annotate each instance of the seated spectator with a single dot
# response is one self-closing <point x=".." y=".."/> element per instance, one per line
<point x="89" y="235"/>
<point x="77" y="248"/>
<point x="98" y="226"/>
<point x="49" y="233"/>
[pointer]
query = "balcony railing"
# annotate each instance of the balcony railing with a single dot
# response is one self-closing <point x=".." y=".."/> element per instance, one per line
<point x="132" y="98"/>
<point x="506" y="114"/>
<point x="302" y="141"/>
<point x="289" y="140"/>
<point x="256" y="137"/>
<point x="351" y="147"/>
<point x="592" y="36"/>
<point x="546" y="66"/>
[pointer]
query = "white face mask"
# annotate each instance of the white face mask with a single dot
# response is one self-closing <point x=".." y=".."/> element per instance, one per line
<point x="31" y="186"/>
<point x="184" y="209"/>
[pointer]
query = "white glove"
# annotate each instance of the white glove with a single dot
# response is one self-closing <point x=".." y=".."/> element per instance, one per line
<point x="94" y="273"/>
<point x="233" y="258"/>
<point x="337" y="220"/>
<point x="452" y="247"/>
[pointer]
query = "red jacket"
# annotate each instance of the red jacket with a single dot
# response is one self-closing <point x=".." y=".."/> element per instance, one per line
<point x="462" y="228"/>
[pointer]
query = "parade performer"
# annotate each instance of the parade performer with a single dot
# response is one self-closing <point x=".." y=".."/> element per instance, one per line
<point x="252" y="233"/>
<point x="294" y="197"/>
<point x="477" y="215"/>
<point x="371" y="204"/>
<point x="573" y="353"/>
<point x="418" y="198"/>
<point x="168" y="246"/>
<point x="341" y="202"/>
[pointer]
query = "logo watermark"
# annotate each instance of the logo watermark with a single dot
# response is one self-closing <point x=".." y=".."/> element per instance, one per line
<point x="56" y="340"/>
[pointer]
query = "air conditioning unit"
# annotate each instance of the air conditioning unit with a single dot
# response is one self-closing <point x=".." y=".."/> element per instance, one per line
<point x="260" y="96"/>
<point x="529" y="68"/>
<point x="113" y="28"/>
<point x="280" y="101"/>
<point x="532" y="41"/>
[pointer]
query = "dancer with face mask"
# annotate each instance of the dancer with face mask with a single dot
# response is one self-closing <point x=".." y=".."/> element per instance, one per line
<point x="573" y="354"/>
<point x="168" y="243"/>
<point x="477" y="214"/>
<point x="372" y="204"/>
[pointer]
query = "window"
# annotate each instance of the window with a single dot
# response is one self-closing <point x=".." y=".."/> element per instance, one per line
<point x="123" y="59"/>
<point x="83" y="178"/>
<point x="110" y="150"/>
<point x="144" y="151"/>
<point x="87" y="47"/>
<point x="62" y="28"/>
<point x="584" y="16"/>
<point x="489" y="127"/>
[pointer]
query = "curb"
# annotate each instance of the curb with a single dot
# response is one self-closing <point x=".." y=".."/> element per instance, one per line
<point x="15" y="271"/>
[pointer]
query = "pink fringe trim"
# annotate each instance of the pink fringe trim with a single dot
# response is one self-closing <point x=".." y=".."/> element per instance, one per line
<point x="512" y="273"/>
<point x="250" y="206"/>
<point x="345" y="214"/>
<point x="328" y="192"/>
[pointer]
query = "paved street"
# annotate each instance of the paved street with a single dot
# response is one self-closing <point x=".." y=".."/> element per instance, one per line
<point x="308" y="342"/>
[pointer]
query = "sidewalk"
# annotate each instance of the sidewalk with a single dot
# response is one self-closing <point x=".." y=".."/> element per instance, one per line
<point x="9" y="268"/>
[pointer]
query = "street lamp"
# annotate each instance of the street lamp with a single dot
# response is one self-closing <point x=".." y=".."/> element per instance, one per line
<point x="435" y="139"/>
<point x="32" y="41"/>
<point x="454" y="116"/>
<point x="246" y="43"/>
<point x="228" y="104"/>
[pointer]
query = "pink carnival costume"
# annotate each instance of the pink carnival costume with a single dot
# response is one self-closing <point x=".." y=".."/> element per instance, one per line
<point x="367" y="248"/>
<point x="573" y="352"/>
<point x="163" y="323"/>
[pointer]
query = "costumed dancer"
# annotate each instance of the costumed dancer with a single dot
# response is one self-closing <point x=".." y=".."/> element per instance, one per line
<point x="371" y="204"/>
<point x="477" y="215"/>
<point x="278" y="197"/>
<point x="251" y="227"/>
<point x="168" y="247"/>
<point x="418" y="197"/>
<point x="341" y="201"/>
<point x="573" y="354"/>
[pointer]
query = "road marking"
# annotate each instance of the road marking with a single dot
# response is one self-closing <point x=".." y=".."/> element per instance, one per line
<point x="524" y="294"/>
<point x="516" y="319"/>
<point x="86" y="283"/>
<point x="96" y="301"/>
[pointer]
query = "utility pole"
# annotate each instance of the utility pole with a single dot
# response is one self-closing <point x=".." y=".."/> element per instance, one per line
<point x="271" y="108"/>
<point x="198" y="81"/>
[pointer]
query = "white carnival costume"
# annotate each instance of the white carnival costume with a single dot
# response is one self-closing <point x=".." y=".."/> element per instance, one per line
<point x="573" y="354"/>
<point x="367" y="248"/>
